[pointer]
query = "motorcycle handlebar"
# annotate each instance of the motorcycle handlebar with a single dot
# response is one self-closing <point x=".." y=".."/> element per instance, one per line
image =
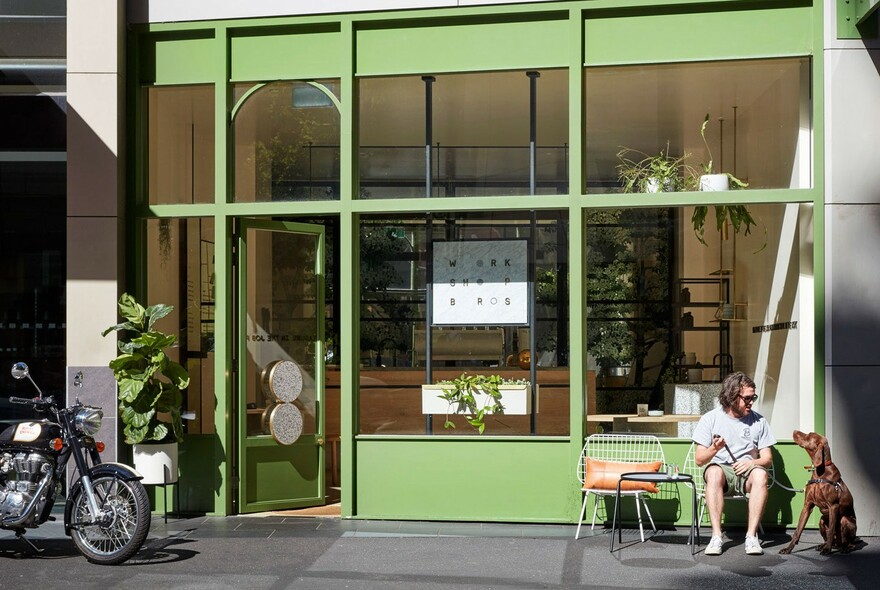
<point x="23" y="400"/>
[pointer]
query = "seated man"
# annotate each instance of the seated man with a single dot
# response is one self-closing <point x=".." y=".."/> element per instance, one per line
<point x="734" y="443"/>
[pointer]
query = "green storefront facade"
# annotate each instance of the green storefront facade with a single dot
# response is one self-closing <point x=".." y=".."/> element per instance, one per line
<point x="277" y="171"/>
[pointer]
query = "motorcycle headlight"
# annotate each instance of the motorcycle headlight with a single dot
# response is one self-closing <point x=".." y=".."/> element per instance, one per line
<point x="88" y="420"/>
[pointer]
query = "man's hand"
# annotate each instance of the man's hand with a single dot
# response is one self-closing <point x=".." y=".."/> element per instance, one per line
<point x="739" y="467"/>
<point x="718" y="443"/>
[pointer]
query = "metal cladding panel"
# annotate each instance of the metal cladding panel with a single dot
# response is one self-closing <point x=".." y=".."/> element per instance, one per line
<point x="178" y="61"/>
<point x="661" y="36"/>
<point x="287" y="56"/>
<point x="434" y="48"/>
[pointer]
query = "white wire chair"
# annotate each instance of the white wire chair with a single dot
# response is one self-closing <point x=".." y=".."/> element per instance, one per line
<point x="691" y="467"/>
<point x="638" y="449"/>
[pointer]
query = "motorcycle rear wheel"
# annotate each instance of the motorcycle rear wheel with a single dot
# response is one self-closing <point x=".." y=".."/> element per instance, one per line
<point x="129" y="507"/>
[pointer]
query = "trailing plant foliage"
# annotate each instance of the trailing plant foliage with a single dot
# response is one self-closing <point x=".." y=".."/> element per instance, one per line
<point x="149" y="382"/>
<point x="738" y="215"/>
<point x="639" y="172"/>
<point x="462" y="394"/>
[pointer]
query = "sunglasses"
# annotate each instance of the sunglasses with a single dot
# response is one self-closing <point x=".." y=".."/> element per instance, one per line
<point x="749" y="399"/>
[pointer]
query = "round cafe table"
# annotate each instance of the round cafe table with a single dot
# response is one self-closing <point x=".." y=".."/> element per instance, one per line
<point x="657" y="478"/>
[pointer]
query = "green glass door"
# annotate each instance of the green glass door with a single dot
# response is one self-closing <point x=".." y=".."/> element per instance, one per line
<point x="280" y="365"/>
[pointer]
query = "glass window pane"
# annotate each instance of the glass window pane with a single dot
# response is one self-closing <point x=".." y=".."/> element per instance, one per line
<point x="33" y="235"/>
<point x="282" y="321"/>
<point x="668" y="317"/>
<point x="480" y="135"/>
<point x="180" y="272"/>
<point x="393" y="343"/>
<point x="181" y="144"/>
<point x="32" y="123"/>
<point x="759" y="128"/>
<point x="287" y="142"/>
<point x="36" y="29"/>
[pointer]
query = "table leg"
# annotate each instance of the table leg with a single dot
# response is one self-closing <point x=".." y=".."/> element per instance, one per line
<point x="695" y="524"/>
<point x="614" y="517"/>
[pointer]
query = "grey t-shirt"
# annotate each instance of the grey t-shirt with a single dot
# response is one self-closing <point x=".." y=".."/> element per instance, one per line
<point x="745" y="436"/>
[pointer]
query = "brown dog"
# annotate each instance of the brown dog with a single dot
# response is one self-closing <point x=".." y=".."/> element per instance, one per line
<point x="826" y="491"/>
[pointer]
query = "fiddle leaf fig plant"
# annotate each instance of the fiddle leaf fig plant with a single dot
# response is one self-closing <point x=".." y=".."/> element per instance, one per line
<point x="465" y="392"/>
<point x="150" y="383"/>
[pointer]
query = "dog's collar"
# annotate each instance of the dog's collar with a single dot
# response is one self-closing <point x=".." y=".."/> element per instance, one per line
<point x="836" y="484"/>
<point x="813" y="467"/>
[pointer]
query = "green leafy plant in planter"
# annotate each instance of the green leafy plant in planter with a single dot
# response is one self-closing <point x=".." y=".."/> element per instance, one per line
<point x="464" y="393"/>
<point x="639" y="172"/>
<point x="738" y="215"/>
<point x="149" y="382"/>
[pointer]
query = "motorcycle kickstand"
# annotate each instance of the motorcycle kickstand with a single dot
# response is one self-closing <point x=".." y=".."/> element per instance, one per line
<point x="19" y="533"/>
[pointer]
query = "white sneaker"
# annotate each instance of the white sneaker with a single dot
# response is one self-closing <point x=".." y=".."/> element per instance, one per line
<point x="714" y="546"/>
<point x="753" y="546"/>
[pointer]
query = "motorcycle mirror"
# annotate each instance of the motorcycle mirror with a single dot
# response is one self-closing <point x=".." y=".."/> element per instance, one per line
<point x="78" y="379"/>
<point x="19" y="370"/>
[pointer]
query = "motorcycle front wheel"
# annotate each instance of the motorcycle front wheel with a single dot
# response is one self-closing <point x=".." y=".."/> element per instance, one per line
<point x="121" y="535"/>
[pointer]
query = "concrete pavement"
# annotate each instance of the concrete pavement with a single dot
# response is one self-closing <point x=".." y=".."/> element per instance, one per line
<point x="281" y="552"/>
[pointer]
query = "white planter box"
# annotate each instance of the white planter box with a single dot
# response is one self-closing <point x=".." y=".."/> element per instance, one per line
<point x="516" y="399"/>
<point x="156" y="462"/>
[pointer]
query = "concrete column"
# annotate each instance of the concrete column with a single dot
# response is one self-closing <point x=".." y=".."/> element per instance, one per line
<point x="95" y="199"/>
<point x="852" y="243"/>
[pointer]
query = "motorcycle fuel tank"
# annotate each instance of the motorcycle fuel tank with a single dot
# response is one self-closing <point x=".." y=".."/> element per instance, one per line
<point x="30" y="435"/>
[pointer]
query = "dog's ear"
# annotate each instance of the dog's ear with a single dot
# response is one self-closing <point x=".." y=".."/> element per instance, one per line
<point x="819" y="458"/>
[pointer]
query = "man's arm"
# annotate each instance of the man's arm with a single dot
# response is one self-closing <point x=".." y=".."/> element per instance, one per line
<point x="765" y="458"/>
<point x="703" y="454"/>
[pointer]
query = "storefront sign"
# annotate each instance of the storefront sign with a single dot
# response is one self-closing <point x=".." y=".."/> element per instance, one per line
<point x="774" y="327"/>
<point x="478" y="283"/>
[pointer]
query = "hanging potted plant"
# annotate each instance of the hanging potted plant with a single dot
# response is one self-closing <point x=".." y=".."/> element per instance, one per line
<point x="738" y="216"/>
<point x="476" y="396"/>
<point x="150" y="389"/>
<point x="709" y="180"/>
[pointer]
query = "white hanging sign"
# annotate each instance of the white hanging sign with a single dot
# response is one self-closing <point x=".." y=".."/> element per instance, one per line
<point x="481" y="282"/>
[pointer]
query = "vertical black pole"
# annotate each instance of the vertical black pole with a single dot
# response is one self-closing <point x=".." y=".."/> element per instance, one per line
<point x="533" y="126"/>
<point x="429" y="130"/>
<point x="429" y="241"/>
<point x="533" y="234"/>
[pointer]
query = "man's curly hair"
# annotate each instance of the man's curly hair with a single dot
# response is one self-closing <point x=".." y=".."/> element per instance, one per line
<point x="732" y="387"/>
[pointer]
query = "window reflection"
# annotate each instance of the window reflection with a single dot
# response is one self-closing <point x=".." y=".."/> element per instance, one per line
<point x="287" y="142"/>
<point x="181" y="144"/>
<point x="669" y="316"/>
<point x="759" y="126"/>
<point x="478" y="127"/>
<point x="393" y="336"/>
<point x="181" y="252"/>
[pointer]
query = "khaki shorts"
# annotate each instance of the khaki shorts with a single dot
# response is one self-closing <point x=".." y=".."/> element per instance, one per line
<point x="735" y="484"/>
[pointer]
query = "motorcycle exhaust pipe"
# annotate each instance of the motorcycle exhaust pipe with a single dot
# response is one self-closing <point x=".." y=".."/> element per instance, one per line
<point x="15" y="521"/>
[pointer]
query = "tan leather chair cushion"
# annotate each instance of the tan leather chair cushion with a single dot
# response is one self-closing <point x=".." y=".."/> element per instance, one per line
<point x="604" y="475"/>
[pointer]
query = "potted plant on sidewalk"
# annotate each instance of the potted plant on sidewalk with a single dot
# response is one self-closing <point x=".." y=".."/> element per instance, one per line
<point x="150" y="389"/>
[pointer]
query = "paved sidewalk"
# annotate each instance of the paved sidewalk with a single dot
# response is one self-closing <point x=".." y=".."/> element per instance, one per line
<point x="281" y="552"/>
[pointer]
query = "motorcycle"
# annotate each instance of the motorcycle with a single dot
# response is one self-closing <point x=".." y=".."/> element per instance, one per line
<point x="107" y="511"/>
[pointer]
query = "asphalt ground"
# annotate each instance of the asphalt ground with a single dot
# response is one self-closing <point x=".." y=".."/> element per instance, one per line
<point x="281" y="552"/>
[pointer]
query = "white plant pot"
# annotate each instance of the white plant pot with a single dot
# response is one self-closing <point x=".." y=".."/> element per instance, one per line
<point x="714" y="182"/>
<point x="156" y="462"/>
<point x="653" y="185"/>
<point x="516" y="399"/>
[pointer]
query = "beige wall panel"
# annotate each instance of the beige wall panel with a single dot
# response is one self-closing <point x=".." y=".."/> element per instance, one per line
<point x="91" y="290"/>
<point x="93" y="138"/>
<point x="853" y="408"/>
<point x="852" y="84"/>
<point x="95" y="35"/>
